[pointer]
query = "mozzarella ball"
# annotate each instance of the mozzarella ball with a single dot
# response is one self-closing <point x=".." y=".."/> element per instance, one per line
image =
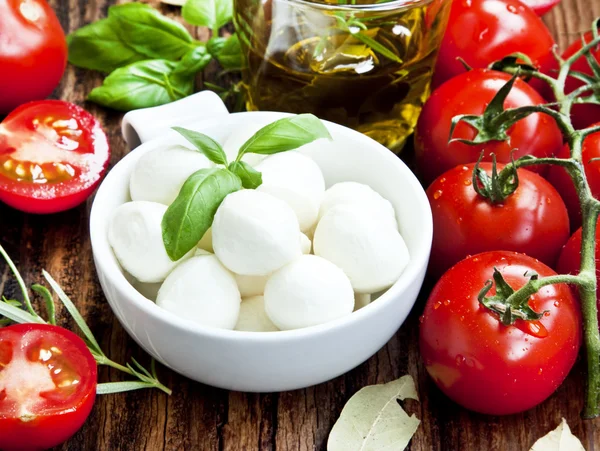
<point x="159" y="174"/>
<point x="306" y="292"/>
<point x="251" y="285"/>
<point x="206" y="242"/>
<point x="238" y="138"/>
<point x="298" y="181"/>
<point x="353" y="193"/>
<point x="202" y="290"/>
<point x="255" y="233"/>
<point x="361" y="300"/>
<point x="368" y="250"/>
<point x="305" y="244"/>
<point x="135" y="234"/>
<point x="253" y="317"/>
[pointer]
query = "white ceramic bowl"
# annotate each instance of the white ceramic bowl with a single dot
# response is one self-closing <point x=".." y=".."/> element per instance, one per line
<point x="276" y="361"/>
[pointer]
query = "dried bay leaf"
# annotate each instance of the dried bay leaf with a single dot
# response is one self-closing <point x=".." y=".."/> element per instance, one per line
<point x="560" y="439"/>
<point x="372" y="420"/>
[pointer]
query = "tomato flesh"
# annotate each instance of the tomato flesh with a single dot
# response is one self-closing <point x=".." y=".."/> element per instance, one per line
<point x="484" y="365"/>
<point x="53" y="154"/>
<point x="33" y="52"/>
<point x="47" y="386"/>
<point x="532" y="220"/>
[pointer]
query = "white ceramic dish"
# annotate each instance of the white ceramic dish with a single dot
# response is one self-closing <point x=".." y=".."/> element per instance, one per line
<point x="276" y="361"/>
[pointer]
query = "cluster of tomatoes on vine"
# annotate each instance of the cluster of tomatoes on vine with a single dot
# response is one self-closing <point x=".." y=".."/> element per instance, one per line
<point x="518" y="227"/>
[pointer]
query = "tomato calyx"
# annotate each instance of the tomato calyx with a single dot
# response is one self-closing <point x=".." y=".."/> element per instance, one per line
<point x="497" y="187"/>
<point x="494" y="123"/>
<point x="508" y="304"/>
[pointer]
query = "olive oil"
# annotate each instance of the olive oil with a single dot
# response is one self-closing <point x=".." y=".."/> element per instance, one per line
<point x="366" y="65"/>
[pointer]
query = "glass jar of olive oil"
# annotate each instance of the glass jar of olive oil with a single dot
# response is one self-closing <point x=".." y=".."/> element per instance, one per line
<point x="366" y="64"/>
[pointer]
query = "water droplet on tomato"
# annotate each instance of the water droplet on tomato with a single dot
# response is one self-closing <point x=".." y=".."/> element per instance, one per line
<point x="464" y="168"/>
<point x="482" y="35"/>
<point x="437" y="194"/>
<point x="421" y="318"/>
<point x="511" y="9"/>
<point x="459" y="360"/>
<point x="467" y="182"/>
<point x="459" y="220"/>
<point x="447" y="302"/>
<point x="437" y="305"/>
<point x="443" y="179"/>
<point x="540" y="371"/>
<point x="556" y="304"/>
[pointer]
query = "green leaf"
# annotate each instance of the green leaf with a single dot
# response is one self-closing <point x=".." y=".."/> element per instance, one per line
<point x="50" y="307"/>
<point x="108" y="388"/>
<point x="89" y="336"/>
<point x="285" y="134"/>
<point x="150" y="33"/>
<point x="560" y="439"/>
<point x="193" y="62"/>
<point x="250" y="177"/>
<point x="191" y="214"/>
<point x="373" y="420"/>
<point x="205" y="144"/>
<point x="208" y="13"/>
<point x="141" y="85"/>
<point x="227" y="51"/>
<point x="98" y="47"/>
<point x="376" y="46"/>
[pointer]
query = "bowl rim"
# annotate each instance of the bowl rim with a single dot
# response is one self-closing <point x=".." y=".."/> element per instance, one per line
<point x="107" y="265"/>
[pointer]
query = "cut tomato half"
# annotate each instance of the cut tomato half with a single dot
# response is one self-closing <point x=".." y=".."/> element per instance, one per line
<point x="53" y="154"/>
<point x="48" y="381"/>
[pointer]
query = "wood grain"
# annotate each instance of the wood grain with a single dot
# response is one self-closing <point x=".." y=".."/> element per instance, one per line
<point x="198" y="417"/>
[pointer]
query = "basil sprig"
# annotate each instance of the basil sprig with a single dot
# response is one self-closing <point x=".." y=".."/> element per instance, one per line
<point x="152" y="60"/>
<point x="192" y="213"/>
<point x="208" y="13"/>
<point x="141" y="85"/>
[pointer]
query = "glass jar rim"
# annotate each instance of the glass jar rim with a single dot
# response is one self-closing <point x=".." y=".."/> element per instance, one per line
<point x="386" y="6"/>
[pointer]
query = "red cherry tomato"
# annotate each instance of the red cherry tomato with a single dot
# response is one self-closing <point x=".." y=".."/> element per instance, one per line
<point x="48" y="381"/>
<point x="53" y="154"/>
<point x="532" y="220"/>
<point x="563" y="183"/>
<point x="33" y="52"/>
<point x="570" y="259"/>
<point x="586" y="114"/>
<point x="541" y="7"/>
<point x="484" y="365"/>
<point x="483" y="31"/>
<point x="470" y="93"/>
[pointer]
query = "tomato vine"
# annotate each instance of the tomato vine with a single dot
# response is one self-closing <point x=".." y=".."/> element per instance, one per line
<point x="492" y="126"/>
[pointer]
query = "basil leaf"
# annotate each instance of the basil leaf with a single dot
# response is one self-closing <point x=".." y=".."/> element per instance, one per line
<point x="193" y="61"/>
<point x="250" y="177"/>
<point x="215" y="44"/>
<point x="208" y="13"/>
<point x="98" y="47"/>
<point x="191" y="214"/>
<point x="150" y="33"/>
<point x="141" y="85"/>
<point x="228" y="52"/>
<point x="205" y="144"/>
<point x="285" y="134"/>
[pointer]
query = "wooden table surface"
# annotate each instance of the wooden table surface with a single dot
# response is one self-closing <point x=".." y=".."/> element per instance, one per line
<point x="198" y="417"/>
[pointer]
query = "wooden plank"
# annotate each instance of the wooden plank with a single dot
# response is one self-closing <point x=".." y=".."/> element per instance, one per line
<point x="198" y="417"/>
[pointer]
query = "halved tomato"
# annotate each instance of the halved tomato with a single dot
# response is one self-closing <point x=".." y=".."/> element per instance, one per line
<point x="53" y="154"/>
<point x="48" y="381"/>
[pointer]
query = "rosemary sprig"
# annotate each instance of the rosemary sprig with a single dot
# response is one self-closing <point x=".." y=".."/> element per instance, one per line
<point x="12" y="311"/>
